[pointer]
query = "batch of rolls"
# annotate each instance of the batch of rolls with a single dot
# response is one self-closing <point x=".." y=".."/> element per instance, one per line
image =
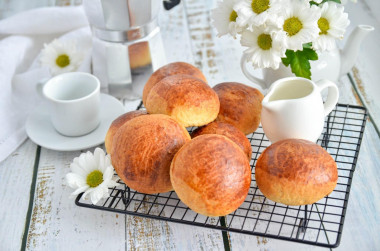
<point x="152" y="151"/>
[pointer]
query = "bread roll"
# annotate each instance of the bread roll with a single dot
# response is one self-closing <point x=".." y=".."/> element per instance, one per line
<point x="229" y="131"/>
<point x="117" y="123"/>
<point x="240" y="105"/>
<point x="296" y="172"/>
<point x="185" y="98"/>
<point x="177" y="68"/>
<point x="143" y="149"/>
<point x="211" y="175"/>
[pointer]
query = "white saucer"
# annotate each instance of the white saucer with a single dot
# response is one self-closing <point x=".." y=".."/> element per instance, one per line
<point x="41" y="131"/>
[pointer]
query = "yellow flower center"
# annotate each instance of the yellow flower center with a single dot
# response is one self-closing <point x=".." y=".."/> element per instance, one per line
<point x="259" y="6"/>
<point x="233" y="16"/>
<point x="323" y="25"/>
<point x="292" y="26"/>
<point x="62" y="60"/>
<point x="264" y="41"/>
<point x="95" y="178"/>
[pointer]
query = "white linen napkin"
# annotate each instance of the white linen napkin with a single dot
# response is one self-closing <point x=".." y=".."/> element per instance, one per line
<point x="23" y="37"/>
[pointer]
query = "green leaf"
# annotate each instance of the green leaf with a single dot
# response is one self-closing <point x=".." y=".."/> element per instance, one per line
<point x="307" y="45"/>
<point x="324" y="1"/>
<point x="336" y="1"/>
<point x="299" y="61"/>
<point x="313" y="3"/>
<point x="289" y="57"/>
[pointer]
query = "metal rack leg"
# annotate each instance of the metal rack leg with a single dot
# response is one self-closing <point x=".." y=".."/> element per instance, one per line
<point x="303" y="224"/>
<point x="326" y="136"/>
<point x="226" y="239"/>
<point x="126" y="197"/>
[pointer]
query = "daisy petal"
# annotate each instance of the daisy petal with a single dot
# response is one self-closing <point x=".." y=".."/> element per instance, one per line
<point x="96" y="195"/>
<point x="87" y="192"/>
<point x="108" y="173"/>
<point x="75" y="180"/>
<point x="78" y="191"/>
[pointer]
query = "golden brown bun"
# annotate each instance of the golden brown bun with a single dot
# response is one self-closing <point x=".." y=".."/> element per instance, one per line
<point x="240" y="105"/>
<point x="296" y="172"/>
<point x="229" y="131"/>
<point x="139" y="55"/>
<point x="143" y="149"/>
<point x="211" y="175"/>
<point x="177" y="68"/>
<point x="187" y="99"/>
<point x="117" y="123"/>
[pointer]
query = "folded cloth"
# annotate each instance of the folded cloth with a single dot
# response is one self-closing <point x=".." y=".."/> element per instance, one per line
<point x="24" y="35"/>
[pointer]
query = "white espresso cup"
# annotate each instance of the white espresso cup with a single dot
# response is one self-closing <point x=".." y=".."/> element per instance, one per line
<point x="74" y="102"/>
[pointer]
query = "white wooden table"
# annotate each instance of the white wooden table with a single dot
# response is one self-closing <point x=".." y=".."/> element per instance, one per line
<point x="37" y="214"/>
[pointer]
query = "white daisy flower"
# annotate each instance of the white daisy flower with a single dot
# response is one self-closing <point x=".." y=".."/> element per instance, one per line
<point x="266" y="47"/>
<point x="299" y="21"/>
<point x="332" y="24"/>
<point x="257" y="12"/>
<point x="224" y="19"/>
<point x="61" y="57"/>
<point x="92" y="174"/>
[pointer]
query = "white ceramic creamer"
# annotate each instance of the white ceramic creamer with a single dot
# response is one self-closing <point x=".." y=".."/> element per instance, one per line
<point x="293" y="108"/>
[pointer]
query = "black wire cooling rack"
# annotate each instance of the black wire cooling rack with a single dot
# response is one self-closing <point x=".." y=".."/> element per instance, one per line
<point x="319" y="224"/>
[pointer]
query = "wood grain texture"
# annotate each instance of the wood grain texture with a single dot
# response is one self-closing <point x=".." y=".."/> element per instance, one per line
<point x="16" y="177"/>
<point x="57" y="222"/>
<point x="365" y="72"/>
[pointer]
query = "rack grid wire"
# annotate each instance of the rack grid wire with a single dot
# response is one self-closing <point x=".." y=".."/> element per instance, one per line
<point x="319" y="224"/>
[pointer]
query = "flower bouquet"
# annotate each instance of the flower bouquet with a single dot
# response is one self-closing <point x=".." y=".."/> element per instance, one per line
<point x="290" y="32"/>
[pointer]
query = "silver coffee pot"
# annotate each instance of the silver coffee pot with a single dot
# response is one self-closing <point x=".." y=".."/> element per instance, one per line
<point x="127" y="43"/>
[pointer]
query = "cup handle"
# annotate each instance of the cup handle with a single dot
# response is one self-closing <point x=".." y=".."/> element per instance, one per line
<point x="255" y="80"/>
<point x="333" y="94"/>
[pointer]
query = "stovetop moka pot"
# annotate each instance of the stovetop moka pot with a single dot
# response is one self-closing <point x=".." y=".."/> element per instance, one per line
<point x="127" y="44"/>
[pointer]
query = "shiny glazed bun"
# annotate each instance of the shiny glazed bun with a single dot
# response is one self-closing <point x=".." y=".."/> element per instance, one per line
<point x="176" y="68"/>
<point x="187" y="99"/>
<point x="117" y="123"/>
<point x="211" y="175"/>
<point x="240" y="105"/>
<point x="229" y="131"/>
<point x="143" y="149"/>
<point x="296" y="172"/>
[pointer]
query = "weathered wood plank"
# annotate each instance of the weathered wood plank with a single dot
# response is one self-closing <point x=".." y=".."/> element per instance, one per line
<point x="16" y="177"/>
<point x="57" y="222"/>
<point x="365" y="71"/>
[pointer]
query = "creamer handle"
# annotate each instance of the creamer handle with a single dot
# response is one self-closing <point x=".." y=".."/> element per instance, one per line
<point x="333" y="94"/>
<point x="255" y="80"/>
